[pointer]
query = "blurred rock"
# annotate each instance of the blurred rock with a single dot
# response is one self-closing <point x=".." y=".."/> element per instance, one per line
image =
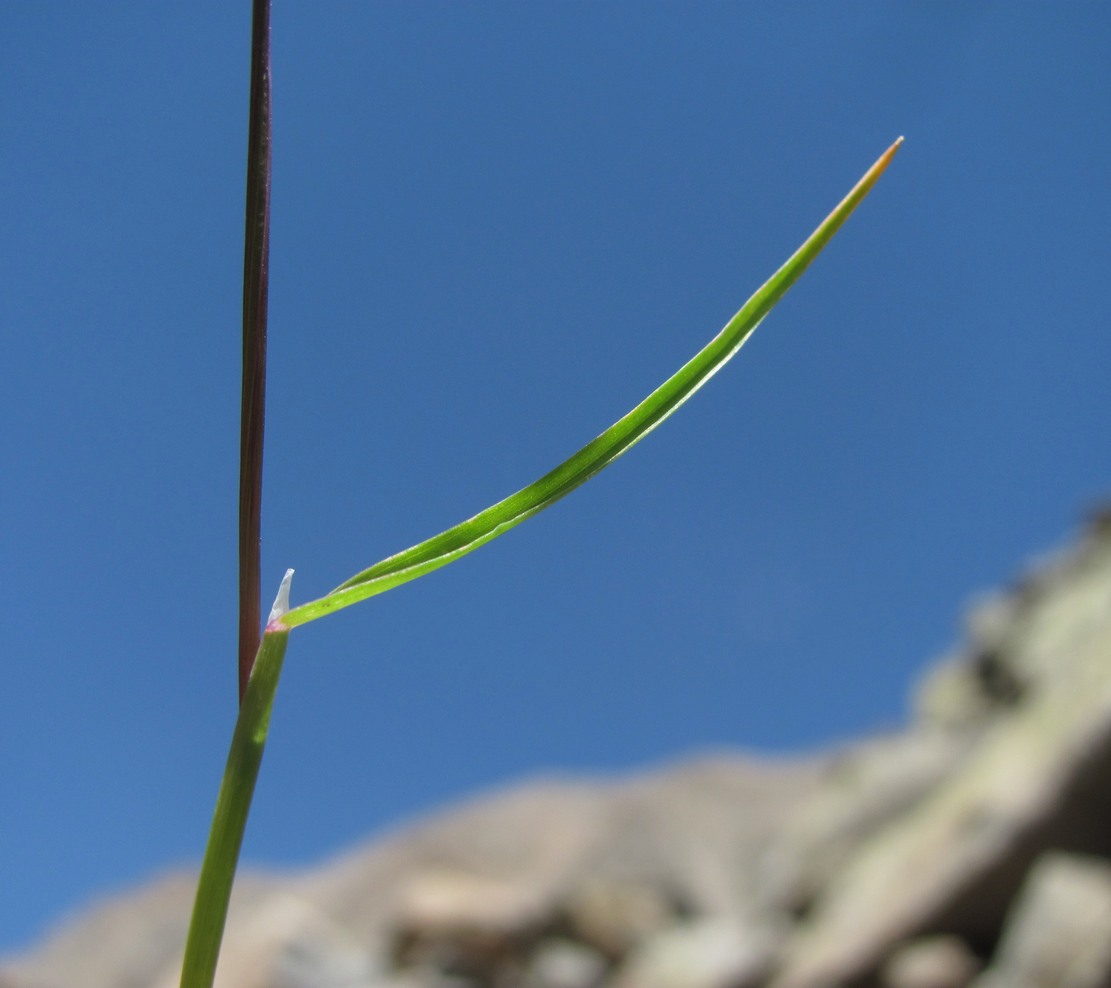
<point x="863" y="789"/>
<point x="714" y="953"/>
<point x="565" y="964"/>
<point x="613" y="918"/>
<point x="1058" y="934"/>
<point x="931" y="962"/>
<point x="462" y="923"/>
<point x="1036" y="777"/>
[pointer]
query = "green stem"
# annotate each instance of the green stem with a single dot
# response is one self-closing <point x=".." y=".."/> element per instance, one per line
<point x="210" y="910"/>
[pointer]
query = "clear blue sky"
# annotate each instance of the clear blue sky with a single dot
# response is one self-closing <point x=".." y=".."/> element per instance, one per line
<point x="495" y="228"/>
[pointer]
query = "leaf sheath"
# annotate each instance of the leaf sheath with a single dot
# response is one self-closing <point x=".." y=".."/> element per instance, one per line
<point x="210" y="908"/>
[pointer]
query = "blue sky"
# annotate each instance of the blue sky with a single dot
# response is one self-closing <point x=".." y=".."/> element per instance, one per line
<point x="495" y="228"/>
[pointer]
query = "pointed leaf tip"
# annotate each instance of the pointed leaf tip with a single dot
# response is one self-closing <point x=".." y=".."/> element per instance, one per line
<point x="887" y="155"/>
<point x="281" y="602"/>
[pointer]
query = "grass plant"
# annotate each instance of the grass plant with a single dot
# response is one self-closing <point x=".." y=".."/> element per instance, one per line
<point x="260" y="659"/>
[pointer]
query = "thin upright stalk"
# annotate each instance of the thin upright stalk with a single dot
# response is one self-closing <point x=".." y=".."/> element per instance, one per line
<point x="256" y="260"/>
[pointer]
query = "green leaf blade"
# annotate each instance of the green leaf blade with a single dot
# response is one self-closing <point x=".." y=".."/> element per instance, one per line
<point x="604" y="449"/>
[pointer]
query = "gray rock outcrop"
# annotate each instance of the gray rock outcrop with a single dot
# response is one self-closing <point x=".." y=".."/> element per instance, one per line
<point x="971" y="850"/>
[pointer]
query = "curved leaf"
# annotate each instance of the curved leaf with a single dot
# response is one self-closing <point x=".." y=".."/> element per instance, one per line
<point x="599" y="453"/>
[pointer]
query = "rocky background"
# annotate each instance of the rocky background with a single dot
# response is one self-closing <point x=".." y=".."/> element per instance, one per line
<point x="972" y="850"/>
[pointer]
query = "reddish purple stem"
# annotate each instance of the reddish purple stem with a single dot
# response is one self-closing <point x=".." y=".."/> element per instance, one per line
<point x="256" y="259"/>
